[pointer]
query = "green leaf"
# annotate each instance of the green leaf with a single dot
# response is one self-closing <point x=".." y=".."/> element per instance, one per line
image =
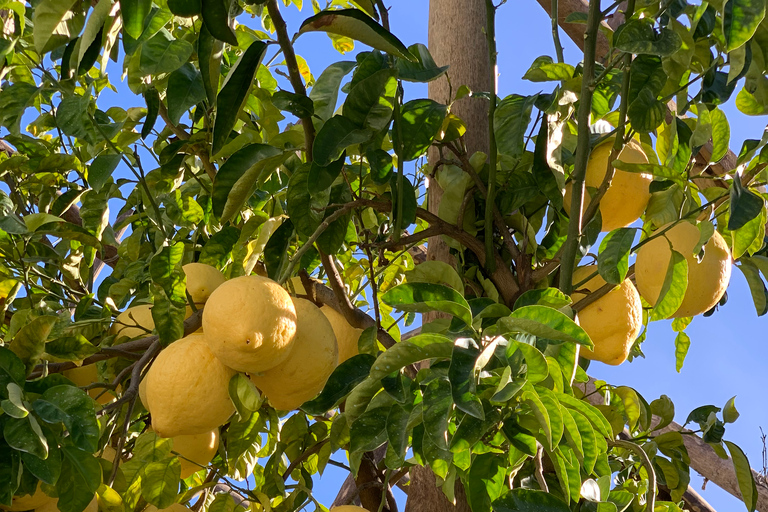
<point x="73" y="407"/>
<point x="422" y="68"/>
<point x="170" y="293"/>
<point x="70" y="348"/>
<point x="613" y="258"/>
<point x="233" y="93"/>
<point x="11" y="369"/>
<point x="721" y="134"/>
<point x="25" y="435"/>
<point x="744" y="476"/>
<point x="646" y="113"/>
<point x="325" y="92"/>
<point x="437" y="411"/>
<point x="673" y="290"/>
<point x="185" y="8"/>
<point x="417" y="348"/>
<point x="369" y="432"/>
<point x="639" y="37"/>
<point x="745" y="205"/>
<point x="421" y="123"/>
<point x="93" y="31"/>
<point x="756" y="286"/>
<point x="343" y="379"/>
<point x="748" y="104"/>
<point x="589" y="411"/>
<point x="423" y="297"/>
<point x="235" y="171"/>
<point x="160" y="482"/>
<point x="397" y="436"/>
<point x="244" y="395"/>
<point x="14" y="100"/>
<point x="554" y="413"/>
<point x="29" y="342"/>
<point x="209" y="50"/>
<point x="14" y="406"/>
<point x="101" y="170"/>
<point x="336" y="135"/>
<point x="551" y="297"/>
<point x="47" y="470"/>
<point x="370" y="102"/>
<point x="527" y="500"/>
<point x="531" y="398"/>
<point x="162" y="54"/>
<point x="647" y="73"/>
<point x="485" y="481"/>
<point x="299" y="201"/>
<point x="356" y="25"/>
<point x="216" y="20"/>
<point x="134" y="12"/>
<point x="730" y="414"/>
<point x="437" y="272"/>
<point x="544" y="69"/>
<point x="740" y="21"/>
<point x="185" y="90"/>
<point x="659" y="171"/>
<point x="536" y="363"/>
<point x="320" y="178"/>
<point x="682" y="344"/>
<point x="461" y="374"/>
<point x="47" y="16"/>
<point x="545" y="322"/>
<point x="511" y="120"/>
<point x="152" y="98"/>
<point x="297" y="104"/>
<point x="79" y="480"/>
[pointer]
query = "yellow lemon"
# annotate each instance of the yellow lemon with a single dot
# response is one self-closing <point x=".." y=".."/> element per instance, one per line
<point x="625" y="200"/>
<point x="312" y="360"/>
<point x="187" y="389"/>
<point x="346" y="335"/>
<point x="86" y="375"/>
<point x="134" y="322"/>
<point x="53" y="506"/>
<point x="196" y="451"/>
<point x="202" y="279"/>
<point x="613" y="321"/>
<point x="30" y="501"/>
<point x="707" y="279"/>
<point x="250" y="323"/>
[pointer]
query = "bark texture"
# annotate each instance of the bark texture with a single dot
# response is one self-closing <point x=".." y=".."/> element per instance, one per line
<point x="457" y="39"/>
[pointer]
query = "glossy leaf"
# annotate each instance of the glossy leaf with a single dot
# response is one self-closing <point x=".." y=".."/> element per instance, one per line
<point x="370" y="102"/>
<point x="462" y="377"/>
<point x="545" y="322"/>
<point x="740" y="21"/>
<point x="152" y="98"/>
<point x="422" y="68"/>
<point x="185" y="90"/>
<point x="745" y="205"/>
<point x="640" y="37"/>
<point x="674" y="287"/>
<point x="47" y="16"/>
<point x="209" y="50"/>
<point x="160" y="482"/>
<point x="511" y="120"/>
<point x="682" y="344"/>
<point x="79" y="480"/>
<point x="216" y="19"/>
<point x="613" y="258"/>
<point x="336" y="135"/>
<point x="343" y="379"/>
<point x="421" y="123"/>
<point x="29" y="343"/>
<point x="744" y="476"/>
<point x="422" y="297"/>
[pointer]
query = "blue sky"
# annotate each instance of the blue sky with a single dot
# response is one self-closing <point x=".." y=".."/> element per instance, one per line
<point x="727" y="354"/>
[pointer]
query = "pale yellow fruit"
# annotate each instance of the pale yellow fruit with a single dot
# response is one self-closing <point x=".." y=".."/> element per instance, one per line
<point x="187" y="389"/>
<point x="707" y="280"/>
<point x="346" y="335"/>
<point x="196" y="451"/>
<point x="313" y="358"/>
<point x="29" y="501"/>
<point x="53" y="506"/>
<point x="202" y="279"/>
<point x="613" y="321"/>
<point x="625" y="200"/>
<point x="134" y="322"/>
<point x="86" y="375"/>
<point x="250" y="323"/>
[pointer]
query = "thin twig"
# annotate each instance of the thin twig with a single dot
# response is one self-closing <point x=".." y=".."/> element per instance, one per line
<point x="539" y="469"/>
<point x="650" y="503"/>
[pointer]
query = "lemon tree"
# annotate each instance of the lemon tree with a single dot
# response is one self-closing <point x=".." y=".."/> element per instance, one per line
<point x="210" y="296"/>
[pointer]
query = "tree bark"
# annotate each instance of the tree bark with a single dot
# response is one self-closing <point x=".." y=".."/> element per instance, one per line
<point x="456" y="38"/>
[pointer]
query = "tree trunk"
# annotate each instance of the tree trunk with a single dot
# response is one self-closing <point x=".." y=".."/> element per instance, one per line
<point x="456" y="38"/>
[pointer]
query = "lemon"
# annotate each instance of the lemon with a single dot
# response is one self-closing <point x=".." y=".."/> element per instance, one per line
<point x="346" y="335"/>
<point x="613" y="321"/>
<point x="707" y="280"/>
<point x="250" y="323"/>
<point x="53" y="506"/>
<point x="134" y="322"/>
<point x="187" y="389"/>
<point x="202" y="279"/>
<point x="625" y="200"/>
<point x="312" y="360"/>
<point x="86" y="375"/>
<point x="196" y="451"/>
<point x="29" y="501"/>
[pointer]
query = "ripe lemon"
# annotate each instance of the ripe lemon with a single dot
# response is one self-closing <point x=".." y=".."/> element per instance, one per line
<point x="187" y="389"/>
<point x="346" y="335"/>
<point x="86" y="375"/>
<point x="707" y="280"/>
<point x="202" y="279"/>
<point x="250" y="323"/>
<point x="625" y="200"/>
<point x="29" y="501"/>
<point x="134" y="322"/>
<point x="196" y="451"/>
<point x="312" y="360"/>
<point x="613" y="321"/>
